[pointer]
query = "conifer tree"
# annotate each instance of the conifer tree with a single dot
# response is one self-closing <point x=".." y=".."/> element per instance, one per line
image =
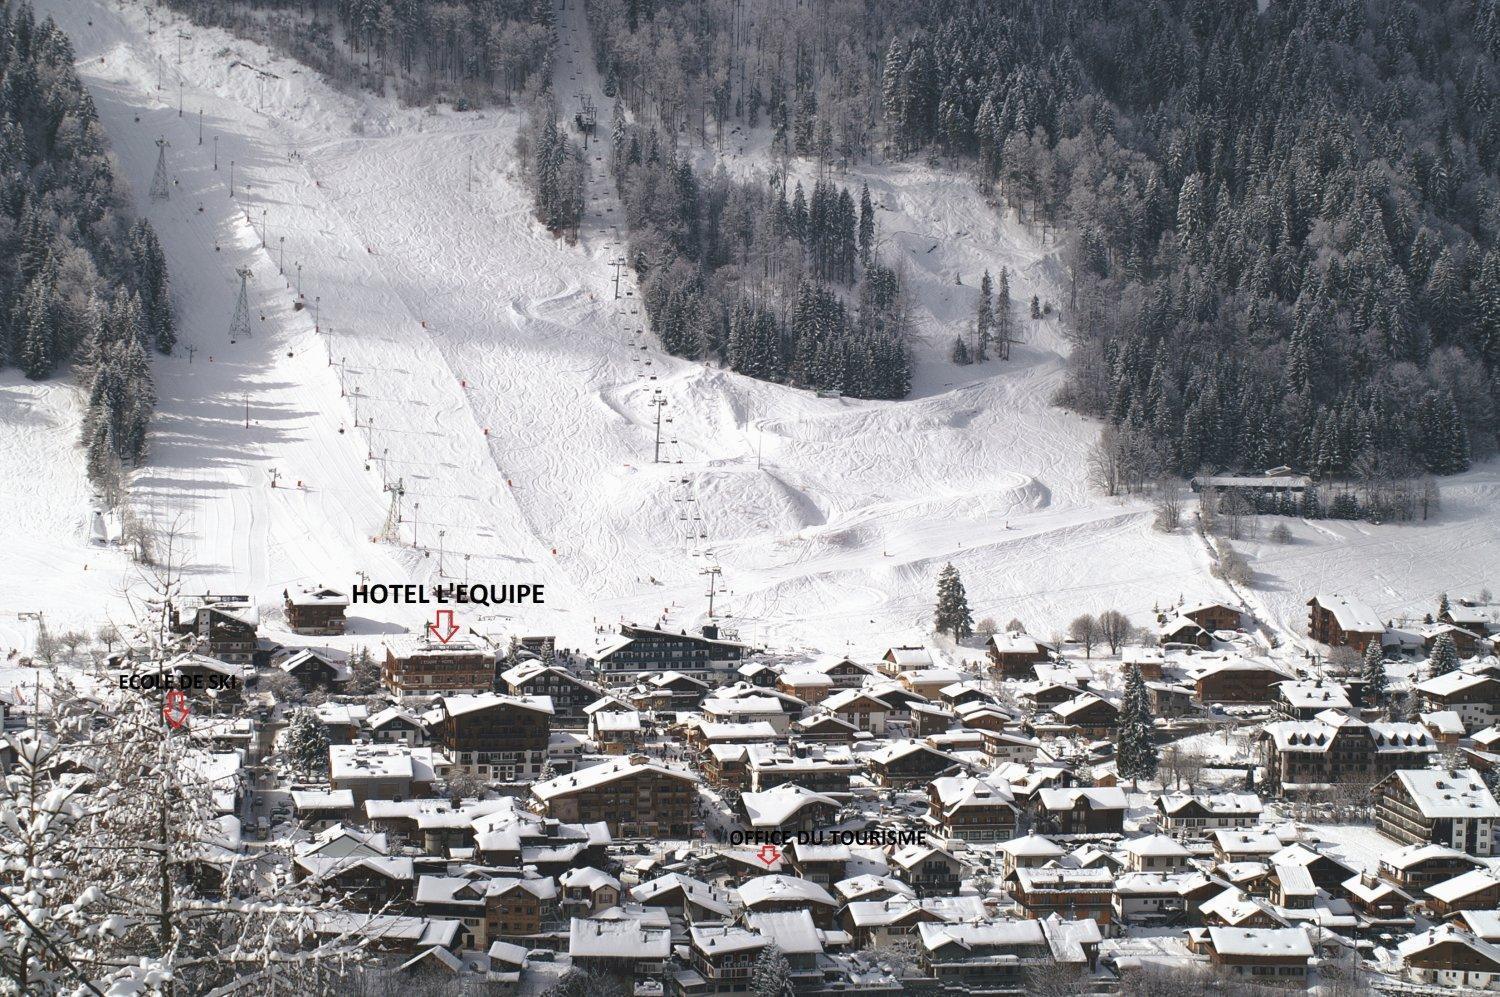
<point x="772" y="976"/>
<point x="960" y="352"/>
<point x="1374" y="671"/>
<point x="306" y="741"/>
<point x="952" y="616"/>
<point x="984" y="319"/>
<point x="1136" y="757"/>
<point x="1444" y="657"/>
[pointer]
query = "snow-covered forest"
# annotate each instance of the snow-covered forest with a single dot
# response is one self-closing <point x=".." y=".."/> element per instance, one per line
<point x="84" y="283"/>
<point x="1279" y="221"/>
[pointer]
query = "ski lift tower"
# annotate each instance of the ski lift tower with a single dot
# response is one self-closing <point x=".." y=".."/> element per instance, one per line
<point x="160" y="187"/>
<point x="391" y="530"/>
<point x="239" y="326"/>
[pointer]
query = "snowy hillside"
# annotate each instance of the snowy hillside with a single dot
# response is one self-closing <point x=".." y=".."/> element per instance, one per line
<point x="488" y="367"/>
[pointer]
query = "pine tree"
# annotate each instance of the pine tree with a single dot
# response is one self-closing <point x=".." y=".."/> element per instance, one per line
<point x="867" y="228"/>
<point x="1374" y="671"/>
<point x="1444" y="657"/>
<point x="1442" y="604"/>
<point x="952" y="616"/>
<point x="1036" y="307"/>
<point x="773" y="974"/>
<point x="960" y="352"/>
<point x="1136" y="757"/>
<point x="984" y="318"/>
<point x="305" y="741"/>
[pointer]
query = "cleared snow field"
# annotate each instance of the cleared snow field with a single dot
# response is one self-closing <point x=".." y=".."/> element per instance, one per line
<point x="491" y="370"/>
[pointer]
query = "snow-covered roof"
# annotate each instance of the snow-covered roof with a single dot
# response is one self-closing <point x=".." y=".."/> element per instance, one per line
<point x="1453" y="682"/>
<point x="1094" y="797"/>
<point x="317" y="597"/>
<point x="774" y="889"/>
<point x="879" y="913"/>
<point x="599" y="775"/>
<point x="587" y="878"/>
<point x="617" y="721"/>
<point x="460" y="705"/>
<point x="1016" y="643"/>
<point x="1236" y="842"/>
<point x="846" y="697"/>
<point x="323" y="799"/>
<point x="774" y="807"/>
<point x="1448" y="793"/>
<point x="716" y="939"/>
<point x="1032" y="846"/>
<point x="1424" y="940"/>
<point x="1352" y="615"/>
<point x="1273" y="942"/>
<point x="792" y="931"/>
<point x="1414" y="855"/>
<point x="1315" y="694"/>
<point x="910" y="657"/>
<point x="807" y="679"/>
<point x="698" y="892"/>
<point x="1219" y="804"/>
<point x="1156" y="846"/>
<point x="1464" y="885"/>
<point x="985" y="935"/>
<point x="380" y="761"/>
<point x="617" y="939"/>
<point x="1445" y="722"/>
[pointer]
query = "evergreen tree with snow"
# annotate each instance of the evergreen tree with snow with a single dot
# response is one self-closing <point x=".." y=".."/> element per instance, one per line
<point x="960" y="352"/>
<point x="1374" y="671"/>
<point x="1444" y="657"/>
<point x="305" y="741"/>
<point x="984" y="318"/>
<point x="1442" y="604"/>
<point x="1004" y="320"/>
<point x="773" y="974"/>
<point x="1136" y="756"/>
<point x="952" y="616"/>
<point x="867" y="226"/>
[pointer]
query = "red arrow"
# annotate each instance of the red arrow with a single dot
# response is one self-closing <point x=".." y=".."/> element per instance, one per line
<point x="769" y="854"/>
<point x="176" y="710"/>
<point x="438" y="626"/>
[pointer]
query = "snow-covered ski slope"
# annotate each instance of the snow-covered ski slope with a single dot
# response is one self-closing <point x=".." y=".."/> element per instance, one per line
<point x="509" y="392"/>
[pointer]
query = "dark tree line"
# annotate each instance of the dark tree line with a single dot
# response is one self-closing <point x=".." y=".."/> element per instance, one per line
<point x="85" y="284"/>
<point x="1283" y="223"/>
<point x="468" y="51"/>
<point x="783" y="289"/>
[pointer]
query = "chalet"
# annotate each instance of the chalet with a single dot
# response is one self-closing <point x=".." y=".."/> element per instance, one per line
<point x="1148" y="660"/>
<point x="224" y="627"/>
<point x="1305" y="699"/>
<point x="1170" y="700"/>
<point x="1183" y="632"/>
<point x="1212" y="615"/>
<point x="910" y="763"/>
<point x="1450" y="807"/>
<point x="819" y="863"/>
<point x="641" y="650"/>
<point x="776" y="893"/>
<point x="324" y="808"/>
<point x="846" y="673"/>
<point x="422" y="666"/>
<point x="1278" y="484"/>
<point x="569" y="693"/>
<point x="1008" y="746"/>
<point x="1043" y="892"/>
<point x="965" y="692"/>
<point x="1466" y="642"/>
<point x="1031" y="851"/>
<point x="808" y="686"/>
<point x="1478" y="889"/>
<point x="987" y="957"/>
<point x="361" y="882"/>
<point x="931" y="718"/>
<point x="381" y="771"/>
<point x="388" y="932"/>
<point x="498" y="738"/>
<point x="1043" y="696"/>
<point x="1155" y="853"/>
<point x="1184" y="814"/>
<point x="788" y="808"/>
<point x="1090" y="715"/>
<point x="1377" y="901"/>
<point x="343" y="722"/>
<point x="315" y="611"/>
<point x="1416" y="867"/>
<point x="1264" y="955"/>
<point x="1150" y="896"/>
<point x="635" y="799"/>
<point x="721" y="958"/>
<point x="1450" y="957"/>
<point x="616" y="732"/>
<point x="873" y="923"/>
<point x="1081" y="810"/>
<point x="928" y="868"/>
<point x="905" y="659"/>
<point x="622" y="950"/>
<point x="1237" y="680"/>
<point x="758" y="674"/>
<point x="864" y="710"/>
<point x="928" y="683"/>
<point x="395" y="725"/>
<point x="667" y="691"/>
<point x="1474" y="616"/>
<point x="1234" y="908"/>
<point x="1474" y="696"/>
<point x="1340" y="621"/>
<point x="1327" y="872"/>
<point x="1014" y="654"/>
<point x="971" y="809"/>
<point x="824" y="728"/>
<point x="315" y="671"/>
<point x="1310" y="756"/>
<point x="821" y="769"/>
<point x="503" y="908"/>
<point x="980" y="715"/>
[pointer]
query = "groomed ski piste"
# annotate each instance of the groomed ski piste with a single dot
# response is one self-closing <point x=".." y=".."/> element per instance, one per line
<point x="444" y="339"/>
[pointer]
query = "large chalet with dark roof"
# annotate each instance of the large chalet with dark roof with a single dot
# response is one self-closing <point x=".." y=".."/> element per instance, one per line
<point x="642" y="650"/>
